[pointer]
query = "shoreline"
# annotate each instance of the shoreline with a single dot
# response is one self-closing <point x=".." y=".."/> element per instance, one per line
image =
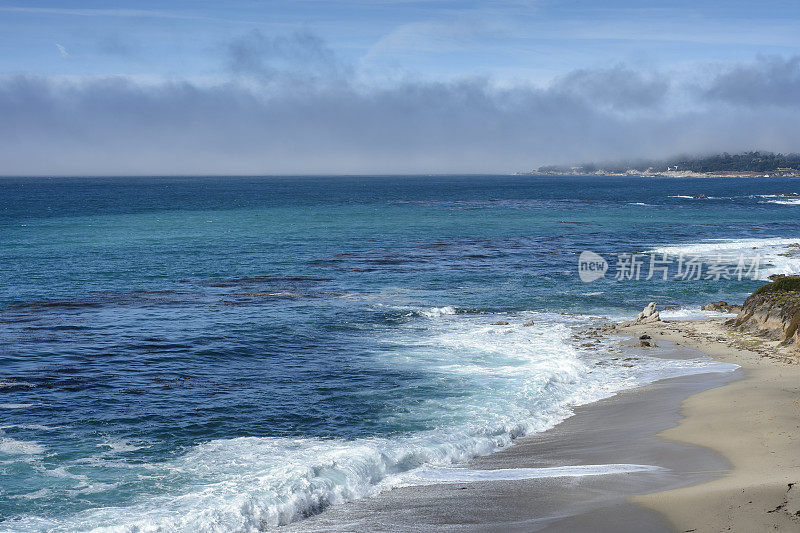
<point x="728" y="444"/>
<point x="753" y="422"/>
<point x="620" y="429"/>
<point x="670" y="174"/>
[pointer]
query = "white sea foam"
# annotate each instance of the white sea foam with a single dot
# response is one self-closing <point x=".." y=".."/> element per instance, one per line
<point x="41" y="493"/>
<point x="438" y="311"/>
<point x="118" y="446"/>
<point x="62" y="472"/>
<point x="20" y="447"/>
<point x="692" y="313"/>
<point x="512" y="380"/>
<point x="787" y="201"/>
<point x="465" y="475"/>
<point x="9" y="384"/>
<point x="36" y="427"/>
<point x="706" y="198"/>
<point x="16" y="405"/>
<point x="715" y="246"/>
<point x="771" y="250"/>
<point x="94" y="488"/>
<point x="778" y="199"/>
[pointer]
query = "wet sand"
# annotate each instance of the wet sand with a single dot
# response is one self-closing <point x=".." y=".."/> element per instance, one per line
<point x="618" y="430"/>
<point x="753" y="422"/>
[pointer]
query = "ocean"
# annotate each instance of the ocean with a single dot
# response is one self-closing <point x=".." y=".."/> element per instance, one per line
<point x="236" y="353"/>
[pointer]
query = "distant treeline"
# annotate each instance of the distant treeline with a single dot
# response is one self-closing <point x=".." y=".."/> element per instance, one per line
<point x="725" y="162"/>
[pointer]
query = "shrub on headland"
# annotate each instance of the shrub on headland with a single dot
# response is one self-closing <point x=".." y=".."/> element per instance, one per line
<point x="773" y="310"/>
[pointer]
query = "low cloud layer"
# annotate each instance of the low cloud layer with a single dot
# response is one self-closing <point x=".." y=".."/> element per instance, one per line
<point x="290" y="107"/>
<point x="770" y="82"/>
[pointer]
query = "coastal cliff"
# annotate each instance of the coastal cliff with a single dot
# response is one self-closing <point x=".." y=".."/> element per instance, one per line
<point x="773" y="311"/>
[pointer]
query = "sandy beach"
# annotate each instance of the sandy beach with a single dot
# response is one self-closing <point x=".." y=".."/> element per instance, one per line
<point x="753" y="422"/>
<point x="727" y="444"/>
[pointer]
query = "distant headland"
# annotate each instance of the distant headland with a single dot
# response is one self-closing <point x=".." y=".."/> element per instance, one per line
<point x="747" y="164"/>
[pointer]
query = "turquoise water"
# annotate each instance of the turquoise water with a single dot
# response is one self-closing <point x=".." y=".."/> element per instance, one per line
<point x="237" y="353"/>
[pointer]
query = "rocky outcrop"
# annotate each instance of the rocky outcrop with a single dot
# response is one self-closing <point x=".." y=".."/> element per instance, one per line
<point x="791" y="250"/>
<point x="773" y="311"/>
<point x="721" y="307"/>
<point x="649" y="314"/>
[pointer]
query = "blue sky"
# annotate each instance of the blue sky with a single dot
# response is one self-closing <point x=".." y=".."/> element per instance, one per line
<point x="512" y="41"/>
<point x="399" y="86"/>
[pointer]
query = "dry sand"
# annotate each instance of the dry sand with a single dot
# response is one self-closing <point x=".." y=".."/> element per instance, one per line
<point x="753" y="422"/>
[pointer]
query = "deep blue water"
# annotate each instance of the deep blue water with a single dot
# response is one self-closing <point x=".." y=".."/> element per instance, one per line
<point x="157" y="332"/>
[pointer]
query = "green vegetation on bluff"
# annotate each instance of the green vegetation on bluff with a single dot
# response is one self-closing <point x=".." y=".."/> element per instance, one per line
<point x="774" y="306"/>
<point x="754" y="162"/>
<point x="784" y="291"/>
<point x="746" y="162"/>
<point x="786" y="284"/>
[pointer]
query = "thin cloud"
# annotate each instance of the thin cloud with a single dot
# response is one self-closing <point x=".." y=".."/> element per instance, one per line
<point x="62" y="50"/>
<point x="269" y="58"/>
<point x="149" y="13"/>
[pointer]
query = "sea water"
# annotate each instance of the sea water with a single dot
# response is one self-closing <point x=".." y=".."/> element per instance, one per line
<point x="192" y="354"/>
